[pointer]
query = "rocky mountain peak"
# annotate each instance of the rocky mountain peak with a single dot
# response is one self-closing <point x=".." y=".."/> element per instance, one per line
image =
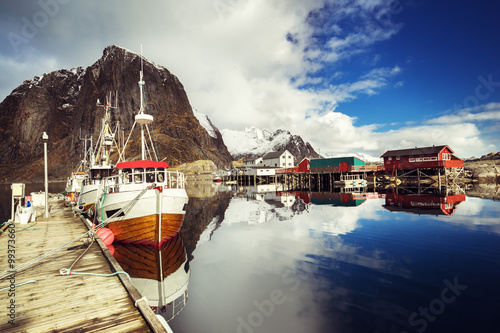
<point x="63" y="103"/>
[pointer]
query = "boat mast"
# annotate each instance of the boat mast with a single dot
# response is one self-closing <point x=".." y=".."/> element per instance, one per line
<point x="141" y="118"/>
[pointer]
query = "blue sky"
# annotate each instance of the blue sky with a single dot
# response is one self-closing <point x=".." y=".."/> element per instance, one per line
<point x="349" y="76"/>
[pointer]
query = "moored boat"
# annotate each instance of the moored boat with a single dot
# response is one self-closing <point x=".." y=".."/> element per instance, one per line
<point x="101" y="165"/>
<point x="74" y="186"/>
<point x="143" y="202"/>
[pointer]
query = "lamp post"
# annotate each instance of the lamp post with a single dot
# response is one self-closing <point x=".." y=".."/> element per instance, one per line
<point x="45" y="138"/>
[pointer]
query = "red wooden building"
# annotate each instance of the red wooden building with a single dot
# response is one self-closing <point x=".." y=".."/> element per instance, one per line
<point x="304" y="165"/>
<point x="421" y="158"/>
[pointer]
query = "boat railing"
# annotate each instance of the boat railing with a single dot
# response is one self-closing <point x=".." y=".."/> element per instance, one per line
<point x="90" y="181"/>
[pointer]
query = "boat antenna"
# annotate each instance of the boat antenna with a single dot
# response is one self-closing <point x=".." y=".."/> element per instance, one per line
<point x="141" y="118"/>
<point x="141" y="82"/>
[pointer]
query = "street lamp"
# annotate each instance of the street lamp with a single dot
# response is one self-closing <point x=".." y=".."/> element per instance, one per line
<point x="45" y="138"/>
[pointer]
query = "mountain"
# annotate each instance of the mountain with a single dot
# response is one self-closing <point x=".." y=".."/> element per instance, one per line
<point x="253" y="142"/>
<point x="63" y="103"/>
<point x="364" y="157"/>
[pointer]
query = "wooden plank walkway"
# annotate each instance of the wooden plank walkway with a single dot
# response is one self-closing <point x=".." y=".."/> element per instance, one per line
<point x="63" y="303"/>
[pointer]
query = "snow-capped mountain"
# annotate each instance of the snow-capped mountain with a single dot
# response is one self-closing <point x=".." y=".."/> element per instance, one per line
<point x="253" y="142"/>
<point x="361" y="156"/>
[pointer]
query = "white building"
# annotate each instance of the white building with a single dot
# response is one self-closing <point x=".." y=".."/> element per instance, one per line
<point x="280" y="159"/>
<point x="253" y="162"/>
<point x="261" y="171"/>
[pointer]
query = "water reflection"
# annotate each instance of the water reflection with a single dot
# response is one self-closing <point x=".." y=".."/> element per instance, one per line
<point x="418" y="203"/>
<point x="161" y="275"/>
<point x="342" y="262"/>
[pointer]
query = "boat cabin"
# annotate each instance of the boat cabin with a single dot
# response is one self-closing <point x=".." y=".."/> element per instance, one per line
<point x="142" y="171"/>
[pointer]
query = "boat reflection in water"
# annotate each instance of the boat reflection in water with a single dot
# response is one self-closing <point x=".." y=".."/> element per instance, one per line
<point x="159" y="274"/>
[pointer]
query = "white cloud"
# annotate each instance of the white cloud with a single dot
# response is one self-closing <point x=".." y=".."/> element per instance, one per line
<point x="487" y="112"/>
<point x="250" y="63"/>
<point x="15" y="71"/>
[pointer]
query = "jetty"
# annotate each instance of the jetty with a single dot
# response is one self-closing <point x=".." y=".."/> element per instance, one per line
<point x="435" y="166"/>
<point x="42" y="298"/>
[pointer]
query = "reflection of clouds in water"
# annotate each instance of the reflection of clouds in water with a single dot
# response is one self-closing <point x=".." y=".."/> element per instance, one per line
<point x="470" y="207"/>
<point x="331" y="220"/>
<point x="279" y="254"/>
<point x="476" y="214"/>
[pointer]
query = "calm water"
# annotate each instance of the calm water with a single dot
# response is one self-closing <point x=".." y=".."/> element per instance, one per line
<point x="336" y="263"/>
<point x="323" y="262"/>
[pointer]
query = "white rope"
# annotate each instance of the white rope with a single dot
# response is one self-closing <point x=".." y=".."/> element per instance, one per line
<point x="141" y="299"/>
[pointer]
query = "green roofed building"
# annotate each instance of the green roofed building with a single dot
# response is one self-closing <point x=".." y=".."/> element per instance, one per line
<point x="342" y="163"/>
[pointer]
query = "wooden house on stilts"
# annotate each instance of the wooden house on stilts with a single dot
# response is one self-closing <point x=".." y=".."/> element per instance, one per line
<point x="436" y="164"/>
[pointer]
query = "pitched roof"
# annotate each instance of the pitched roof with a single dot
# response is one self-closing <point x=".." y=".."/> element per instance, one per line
<point x="273" y="155"/>
<point x="416" y="151"/>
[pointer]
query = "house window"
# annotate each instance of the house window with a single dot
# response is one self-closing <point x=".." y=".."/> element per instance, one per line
<point x="419" y="159"/>
<point x="390" y="158"/>
<point x="426" y="159"/>
<point x="412" y="160"/>
<point x="398" y="158"/>
<point x="434" y="158"/>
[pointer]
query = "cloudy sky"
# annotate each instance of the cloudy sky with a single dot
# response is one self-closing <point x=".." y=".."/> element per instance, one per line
<point x="347" y="75"/>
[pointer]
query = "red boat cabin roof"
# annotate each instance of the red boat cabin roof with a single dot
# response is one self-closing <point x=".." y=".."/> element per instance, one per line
<point x="141" y="164"/>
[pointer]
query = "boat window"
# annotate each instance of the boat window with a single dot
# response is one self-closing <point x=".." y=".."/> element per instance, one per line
<point x="150" y="175"/>
<point x="127" y="175"/>
<point x="160" y="175"/>
<point x="138" y="173"/>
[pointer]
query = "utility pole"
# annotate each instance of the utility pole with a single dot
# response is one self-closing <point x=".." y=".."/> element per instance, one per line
<point x="45" y="138"/>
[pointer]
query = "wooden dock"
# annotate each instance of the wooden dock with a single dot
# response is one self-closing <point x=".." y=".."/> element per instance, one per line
<point x="64" y="303"/>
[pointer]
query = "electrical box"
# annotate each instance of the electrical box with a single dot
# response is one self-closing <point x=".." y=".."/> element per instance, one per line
<point x="17" y="190"/>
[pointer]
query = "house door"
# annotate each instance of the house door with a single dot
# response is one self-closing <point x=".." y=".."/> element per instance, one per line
<point x="344" y="166"/>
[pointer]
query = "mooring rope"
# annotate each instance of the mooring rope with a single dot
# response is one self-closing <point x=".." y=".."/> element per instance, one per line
<point x="125" y="209"/>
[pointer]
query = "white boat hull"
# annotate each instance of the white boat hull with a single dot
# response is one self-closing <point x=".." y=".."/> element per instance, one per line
<point x="150" y="219"/>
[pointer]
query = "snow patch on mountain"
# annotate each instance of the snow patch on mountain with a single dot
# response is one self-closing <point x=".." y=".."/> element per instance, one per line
<point x="361" y="156"/>
<point x="254" y="142"/>
<point x="205" y="123"/>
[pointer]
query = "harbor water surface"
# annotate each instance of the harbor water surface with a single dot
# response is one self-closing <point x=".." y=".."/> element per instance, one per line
<point x="331" y="262"/>
<point x="313" y="262"/>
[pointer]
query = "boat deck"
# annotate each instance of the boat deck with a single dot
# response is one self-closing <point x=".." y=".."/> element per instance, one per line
<point x="62" y="303"/>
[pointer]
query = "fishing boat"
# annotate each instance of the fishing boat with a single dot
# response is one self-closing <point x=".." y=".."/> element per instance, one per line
<point x="100" y="165"/>
<point x="74" y="185"/>
<point x="351" y="181"/>
<point x="159" y="274"/>
<point x="142" y="202"/>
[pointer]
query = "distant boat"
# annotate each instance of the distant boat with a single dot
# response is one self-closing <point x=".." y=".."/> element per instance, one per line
<point x="74" y="185"/>
<point x="351" y="181"/>
<point x="217" y="179"/>
<point x="143" y="202"/>
<point x="101" y="165"/>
